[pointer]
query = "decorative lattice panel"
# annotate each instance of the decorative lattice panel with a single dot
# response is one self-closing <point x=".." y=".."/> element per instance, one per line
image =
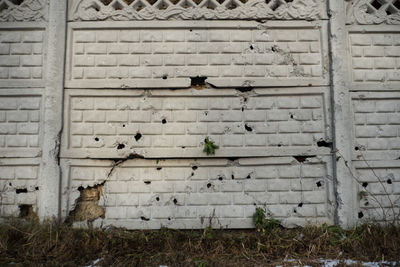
<point x="23" y="10"/>
<point x="194" y="9"/>
<point x="375" y="12"/>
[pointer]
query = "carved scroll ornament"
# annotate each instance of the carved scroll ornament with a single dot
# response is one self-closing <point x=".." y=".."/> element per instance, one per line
<point x="86" y="10"/>
<point x="374" y="12"/>
<point x="25" y="10"/>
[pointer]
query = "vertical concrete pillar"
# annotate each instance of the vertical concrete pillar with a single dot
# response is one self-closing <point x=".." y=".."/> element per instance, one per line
<point x="49" y="180"/>
<point x="342" y="116"/>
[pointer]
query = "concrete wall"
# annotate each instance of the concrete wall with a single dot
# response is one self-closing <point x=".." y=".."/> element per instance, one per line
<point x="105" y="108"/>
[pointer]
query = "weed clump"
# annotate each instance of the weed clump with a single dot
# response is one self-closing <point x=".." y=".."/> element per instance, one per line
<point x="209" y="146"/>
<point x="262" y="223"/>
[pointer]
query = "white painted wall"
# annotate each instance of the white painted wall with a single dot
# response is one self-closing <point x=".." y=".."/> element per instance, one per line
<point x="305" y="112"/>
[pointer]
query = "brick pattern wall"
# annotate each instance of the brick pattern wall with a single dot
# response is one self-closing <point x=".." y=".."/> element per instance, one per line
<point x="102" y="123"/>
<point x="19" y="121"/>
<point x="375" y="57"/>
<point x="381" y="200"/>
<point x="21" y="54"/>
<point x="157" y="54"/>
<point x="18" y="186"/>
<point x="377" y="125"/>
<point x="187" y="193"/>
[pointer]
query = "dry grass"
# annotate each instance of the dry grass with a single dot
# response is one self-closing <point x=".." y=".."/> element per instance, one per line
<point x="26" y="243"/>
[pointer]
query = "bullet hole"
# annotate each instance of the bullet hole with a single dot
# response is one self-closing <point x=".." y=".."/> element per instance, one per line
<point x="164" y="77"/>
<point x="301" y="159"/>
<point x="123" y="125"/>
<point x="134" y="156"/>
<point x="25" y="211"/>
<point x="323" y="143"/>
<point x="159" y="168"/>
<point x="248" y="176"/>
<point x="183" y="147"/>
<point x="144" y="218"/>
<point x="190" y="30"/>
<point x="242" y="109"/>
<point x="198" y="81"/>
<point x="279" y="145"/>
<point x="164" y="121"/>
<point x="245" y="99"/>
<point x="233" y="177"/>
<point x="319" y="184"/>
<point x="22" y="190"/>
<point x="244" y="89"/>
<point x="274" y="48"/>
<point x="157" y="198"/>
<point x="310" y="84"/>
<point x="192" y="174"/>
<point x="356" y="148"/>
<point x="360" y="215"/>
<point x="206" y="113"/>
<point x="365" y="184"/>
<point x="175" y="201"/>
<point x="291" y="116"/>
<point x="96" y="139"/>
<point x="251" y="47"/>
<point x="248" y="128"/>
<point x="232" y="159"/>
<point x="389" y="181"/>
<point x="220" y="178"/>
<point x="294" y="210"/>
<point x="120" y="146"/>
<point x="169" y="218"/>
<point x="208" y="185"/>
<point x="255" y="204"/>
<point x="138" y="136"/>
<point x="300" y="205"/>
<point x="10" y="184"/>
<point x="366" y="203"/>
<point x="147" y="182"/>
<point x="194" y="168"/>
<point x="37" y="188"/>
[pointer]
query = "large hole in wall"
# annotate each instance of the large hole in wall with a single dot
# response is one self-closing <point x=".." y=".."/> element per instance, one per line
<point x="87" y="205"/>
